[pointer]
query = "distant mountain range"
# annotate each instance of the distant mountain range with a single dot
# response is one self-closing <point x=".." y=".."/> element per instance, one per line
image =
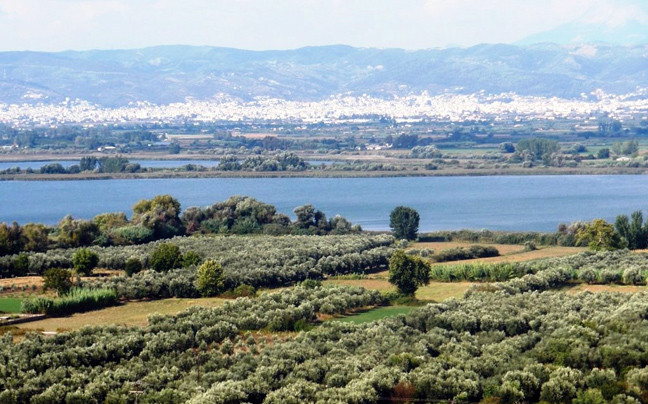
<point x="619" y="22"/>
<point x="169" y="74"/>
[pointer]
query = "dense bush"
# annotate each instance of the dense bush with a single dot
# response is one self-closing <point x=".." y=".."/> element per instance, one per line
<point x="166" y="256"/>
<point x="499" y="237"/>
<point x="477" y="272"/>
<point x="76" y="300"/>
<point x="465" y="253"/>
<point x="84" y="261"/>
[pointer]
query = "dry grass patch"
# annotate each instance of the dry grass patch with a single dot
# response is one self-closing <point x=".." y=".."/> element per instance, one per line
<point x="440" y="291"/>
<point x="508" y="252"/>
<point x="374" y="284"/>
<point x="504" y="249"/>
<point x="22" y="281"/>
<point x="130" y="314"/>
<point x="436" y="291"/>
<point x="582" y="287"/>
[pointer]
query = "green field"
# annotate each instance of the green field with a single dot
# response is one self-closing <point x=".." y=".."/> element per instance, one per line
<point x="368" y="316"/>
<point x="9" y="305"/>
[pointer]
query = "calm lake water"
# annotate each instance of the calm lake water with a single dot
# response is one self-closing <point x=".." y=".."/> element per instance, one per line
<point x="536" y="203"/>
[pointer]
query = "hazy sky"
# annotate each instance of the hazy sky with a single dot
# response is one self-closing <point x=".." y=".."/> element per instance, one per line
<point x="54" y="25"/>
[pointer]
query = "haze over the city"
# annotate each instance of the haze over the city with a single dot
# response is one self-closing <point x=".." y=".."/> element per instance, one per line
<point x="57" y="25"/>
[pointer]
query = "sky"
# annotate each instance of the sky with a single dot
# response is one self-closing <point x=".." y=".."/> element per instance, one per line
<point x="57" y="25"/>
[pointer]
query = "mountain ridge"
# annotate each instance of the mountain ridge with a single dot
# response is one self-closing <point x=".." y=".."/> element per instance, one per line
<point x="175" y="73"/>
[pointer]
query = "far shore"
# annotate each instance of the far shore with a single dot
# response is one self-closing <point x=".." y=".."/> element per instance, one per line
<point x="455" y="172"/>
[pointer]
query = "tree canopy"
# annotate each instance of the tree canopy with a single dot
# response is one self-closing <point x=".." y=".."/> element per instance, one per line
<point x="408" y="273"/>
<point x="404" y="222"/>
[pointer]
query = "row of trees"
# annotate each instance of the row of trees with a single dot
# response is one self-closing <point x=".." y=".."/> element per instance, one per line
<point x="255" y="261"/>
<point x="161" y="218"/>
<point x="278" y="162"/>
<point x="492" y="347"/>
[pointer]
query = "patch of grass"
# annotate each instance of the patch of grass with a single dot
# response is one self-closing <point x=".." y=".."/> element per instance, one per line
<point x="10" y="305"/>
<point x="440" y="291"/>
<point x="582" y="287"/>
<point x="366" y="316"/>
<point x="504" y="249"/>
<point x="130" y="314"/>
<point x="435" y="291"/>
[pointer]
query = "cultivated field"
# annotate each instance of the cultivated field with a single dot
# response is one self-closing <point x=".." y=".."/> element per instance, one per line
<point x="129" y="314"/>
<point x="508" y="252"/>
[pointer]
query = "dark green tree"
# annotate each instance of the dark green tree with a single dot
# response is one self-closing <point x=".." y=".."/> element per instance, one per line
<point x="407" y="273"/>
<point x="211" y="279"/>
<point x="305" y="216"/>
<point x="58" y="279"/>
<point x="191" y="258"/>
<point x="637" y="230"/>
<point x="622" y="227"/>
<point x="11" y="239"/>
<point x="84" y="261"/>
<point x="88" y="163"/>
<point x="165" y="257"/>
<point x="404" y="222"/>
<point x="133" y="266"/>
<point x="540" y="148"/>
<point x="603" y="153"/>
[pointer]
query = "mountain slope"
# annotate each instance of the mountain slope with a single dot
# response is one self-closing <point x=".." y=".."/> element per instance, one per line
<point x="174" y="73"/>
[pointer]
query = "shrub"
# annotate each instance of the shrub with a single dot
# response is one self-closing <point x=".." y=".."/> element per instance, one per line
<point x="191" y="258"/>
<point x="76" y="300"/>
<point x="132" y="235"/>
<point x="21" y="264"/>
<point x="165" y="257"/>
<point x="211" y="279"/>
<point x="133" y="266"/>
<point x="58" y="279"/>
<point x="84" y="261"/>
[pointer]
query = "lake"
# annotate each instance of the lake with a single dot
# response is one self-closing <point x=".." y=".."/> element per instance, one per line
<point x="537" y="203"/>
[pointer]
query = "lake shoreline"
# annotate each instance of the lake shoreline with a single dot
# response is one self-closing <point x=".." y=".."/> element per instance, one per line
<point x="170" y="174"/>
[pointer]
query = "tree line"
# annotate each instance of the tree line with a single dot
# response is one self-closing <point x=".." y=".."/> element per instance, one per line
<point x="162" y="218"/>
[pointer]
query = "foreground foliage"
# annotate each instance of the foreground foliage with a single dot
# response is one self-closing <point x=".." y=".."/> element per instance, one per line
<point x="497" y="347"/>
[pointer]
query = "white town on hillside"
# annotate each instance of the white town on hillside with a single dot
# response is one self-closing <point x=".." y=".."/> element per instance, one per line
<point x="338" y="109"/>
